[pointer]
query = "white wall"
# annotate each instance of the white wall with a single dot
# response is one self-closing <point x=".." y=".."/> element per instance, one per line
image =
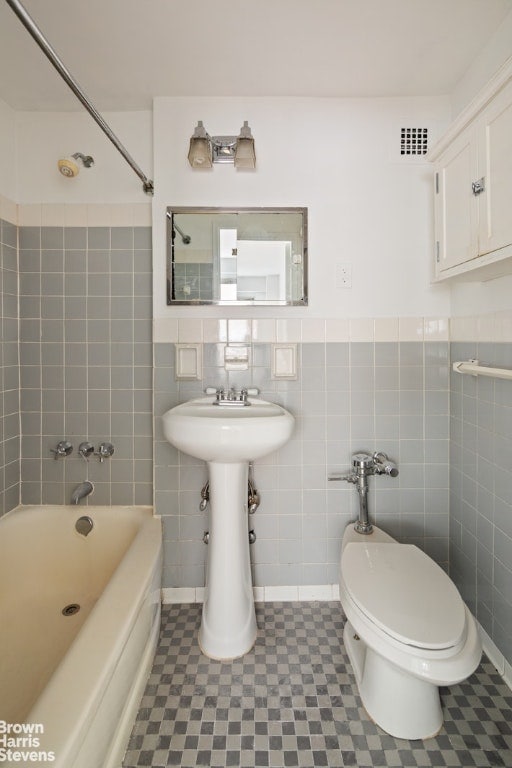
<point x="338" y="157"/>
<point x="7" y="152"/>
<point x="44" y="137"/>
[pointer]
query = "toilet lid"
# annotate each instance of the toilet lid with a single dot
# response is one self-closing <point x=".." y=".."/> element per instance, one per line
<point x="406" y="594"/>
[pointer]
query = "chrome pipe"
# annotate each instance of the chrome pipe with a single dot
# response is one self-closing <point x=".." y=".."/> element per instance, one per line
<point x="30" y="25"/>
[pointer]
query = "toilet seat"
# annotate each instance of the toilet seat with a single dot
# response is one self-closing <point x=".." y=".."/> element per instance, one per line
<point x="405" y="594"/>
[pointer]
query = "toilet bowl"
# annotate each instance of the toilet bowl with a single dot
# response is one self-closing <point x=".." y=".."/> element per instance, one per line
<point x="408" y="631"/>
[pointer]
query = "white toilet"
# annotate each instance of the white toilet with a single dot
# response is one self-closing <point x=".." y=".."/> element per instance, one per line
<point x="408" y="632"/>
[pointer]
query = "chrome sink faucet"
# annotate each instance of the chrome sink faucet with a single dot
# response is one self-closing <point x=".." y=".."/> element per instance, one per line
<point x="231" y="397"/>
<point x="364" y="465"/>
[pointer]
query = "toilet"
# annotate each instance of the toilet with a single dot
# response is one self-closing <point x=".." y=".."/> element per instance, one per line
<point x="408" y="632"/>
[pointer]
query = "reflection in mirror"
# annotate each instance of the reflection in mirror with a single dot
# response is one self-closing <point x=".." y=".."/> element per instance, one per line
<point x="237" y="256"/>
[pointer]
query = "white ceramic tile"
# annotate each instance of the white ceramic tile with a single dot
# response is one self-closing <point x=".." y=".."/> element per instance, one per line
<point x="504" y="326"/>
<point x="239" y="330"/>
<point x="264" y="330"/>
<point x="469" y="329"/>
<point x="507" y="676"/>
<point x="165" y="330"/>
<point x="313" y="330"/>
<point x="386" y="329"/>
<point x="258" y="594"/>
<point x="75" y="215"/>
<point x="486" y="327"/>
<point x="190" y="330"/>
<point x="436" y="328"/>
<point x="288" y="330"/>
<point x="10" y="211"/>
<point x="141" y="214"/>
<point x="337" y="329"/>
<point x="495" y="656"/>
<point x="281" y="593"/>
<point x="362" y="329"/>
<point x="200" y="594"/>
<point x="215" y="330"/>
<point x="315" y="592"/>
<point x="456" y="328"/>
<point x="98" y="215"/>
<point x="410" y="328"/>
<point x="120" y="214"/>
<point x="30" y="215"/>
<point x="53" y="215"/>
<point x="178" y="595"/>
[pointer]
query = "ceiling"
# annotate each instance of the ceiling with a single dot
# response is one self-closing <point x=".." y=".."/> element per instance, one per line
<point x="125" y="52"/>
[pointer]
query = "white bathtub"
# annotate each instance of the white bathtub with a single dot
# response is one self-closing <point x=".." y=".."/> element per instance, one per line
<point x="77" y="679"/>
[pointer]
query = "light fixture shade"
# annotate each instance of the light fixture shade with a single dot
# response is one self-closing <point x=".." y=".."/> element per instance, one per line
<point x="200" y="150"/>
<point x="200" y="153"/>
<point x="245" y="154"/>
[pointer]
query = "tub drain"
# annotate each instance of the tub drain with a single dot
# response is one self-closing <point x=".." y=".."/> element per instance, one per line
<point x="70" y="609"/>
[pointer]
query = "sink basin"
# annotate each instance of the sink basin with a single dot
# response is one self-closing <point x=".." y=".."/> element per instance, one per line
<point x="226" y="433"/>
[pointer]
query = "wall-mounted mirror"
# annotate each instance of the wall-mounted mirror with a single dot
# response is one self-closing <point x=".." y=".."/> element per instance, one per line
<point x="237" y="256"/>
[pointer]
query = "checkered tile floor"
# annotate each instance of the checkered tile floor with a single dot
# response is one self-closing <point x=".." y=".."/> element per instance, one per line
<point x="292" y="701"/>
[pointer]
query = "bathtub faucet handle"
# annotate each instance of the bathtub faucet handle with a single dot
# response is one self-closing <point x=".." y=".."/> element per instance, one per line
<point x="105" y="451"/>
<point x="85" y="450"/>
<point x="63" y="448"/>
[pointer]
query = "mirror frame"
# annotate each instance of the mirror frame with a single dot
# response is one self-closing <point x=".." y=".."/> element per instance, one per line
<point x="171" y="209"/>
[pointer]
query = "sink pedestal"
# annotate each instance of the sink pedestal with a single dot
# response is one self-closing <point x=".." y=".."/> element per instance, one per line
<point x="228" y="626"/>
<point x="228" y="436"/>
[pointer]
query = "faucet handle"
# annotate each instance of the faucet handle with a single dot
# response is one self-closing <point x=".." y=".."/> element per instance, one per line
<point x="85" y="450"/>
<point x="63" y="448"/>
<point x="105" y="451"/>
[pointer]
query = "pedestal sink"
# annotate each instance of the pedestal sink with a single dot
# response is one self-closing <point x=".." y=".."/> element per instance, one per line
<point x="227" y="437"/>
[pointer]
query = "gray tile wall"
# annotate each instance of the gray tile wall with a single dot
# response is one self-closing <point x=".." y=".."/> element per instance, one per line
<point x="358" y="396"/>
<point x="481" y="490"/>
<point x="86" y="361"/>
<point x="193" y="281"/>
<point x="9" y="382"/>
<point x="83" y="367"/>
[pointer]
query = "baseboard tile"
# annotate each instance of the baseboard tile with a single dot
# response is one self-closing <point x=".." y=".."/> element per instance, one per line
<point x="496" y="657"/>
<point x="303" y="593"/>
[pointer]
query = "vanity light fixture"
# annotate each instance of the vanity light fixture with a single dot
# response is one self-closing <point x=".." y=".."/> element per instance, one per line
<point x="205" y="149"/>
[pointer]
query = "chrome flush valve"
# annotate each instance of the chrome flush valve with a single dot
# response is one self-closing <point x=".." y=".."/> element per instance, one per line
<point x="364" y="465"/>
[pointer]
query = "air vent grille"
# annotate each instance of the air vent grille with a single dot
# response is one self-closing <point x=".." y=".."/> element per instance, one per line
<point x="413" y="141"/>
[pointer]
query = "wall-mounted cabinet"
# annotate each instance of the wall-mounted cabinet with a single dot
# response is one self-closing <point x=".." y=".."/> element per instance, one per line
<point x="473" y="187"/>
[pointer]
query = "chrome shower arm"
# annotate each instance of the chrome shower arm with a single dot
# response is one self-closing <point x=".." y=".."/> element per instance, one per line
<point x="29" y="24"/>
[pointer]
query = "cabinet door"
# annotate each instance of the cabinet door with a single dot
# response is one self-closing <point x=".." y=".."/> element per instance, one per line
<point x="495" y="164"/>
<point x="456" y="207"/>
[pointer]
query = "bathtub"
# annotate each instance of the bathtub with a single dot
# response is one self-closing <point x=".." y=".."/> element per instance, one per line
<point x="71" y="681"/>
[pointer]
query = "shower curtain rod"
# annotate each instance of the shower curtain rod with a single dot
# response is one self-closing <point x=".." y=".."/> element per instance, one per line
<point x="47" y="49"/>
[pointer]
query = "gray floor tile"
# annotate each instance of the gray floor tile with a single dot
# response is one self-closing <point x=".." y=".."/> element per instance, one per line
<point x="292" y="701"/>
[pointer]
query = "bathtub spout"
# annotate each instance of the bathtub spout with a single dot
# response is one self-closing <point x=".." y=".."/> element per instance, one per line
<point x="81" y="491"/>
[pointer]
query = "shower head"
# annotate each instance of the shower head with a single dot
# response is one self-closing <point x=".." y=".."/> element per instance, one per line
<point x="70" y="168"/>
